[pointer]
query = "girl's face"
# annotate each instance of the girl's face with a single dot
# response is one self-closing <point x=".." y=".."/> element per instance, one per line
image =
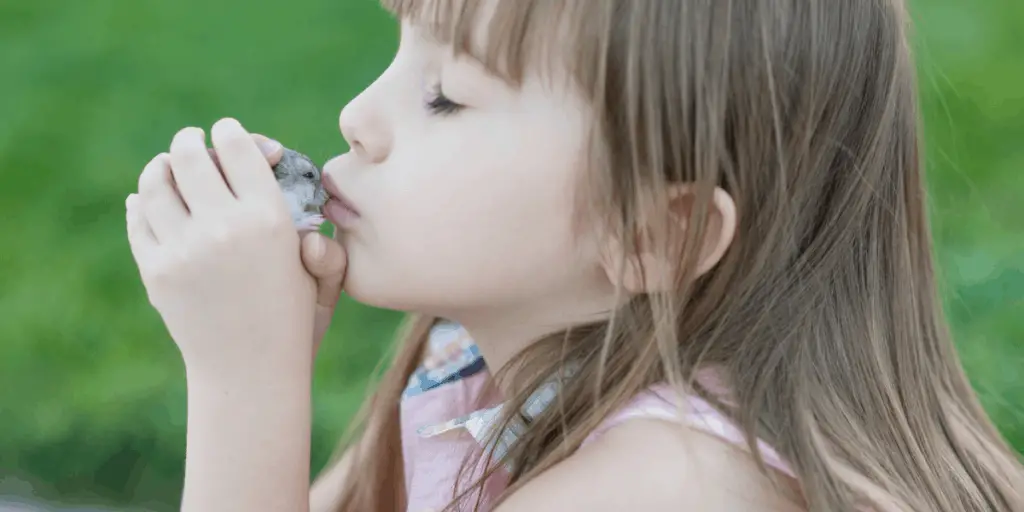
<point x="465" y="188"/>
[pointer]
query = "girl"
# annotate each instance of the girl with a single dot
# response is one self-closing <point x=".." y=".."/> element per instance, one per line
<point x="688" y="237"/>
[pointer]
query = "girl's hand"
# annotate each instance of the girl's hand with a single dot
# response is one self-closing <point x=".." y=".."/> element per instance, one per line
<point x="220" y="257"/>
<point x="325" y="260"/>
<point x="323" y="257"/>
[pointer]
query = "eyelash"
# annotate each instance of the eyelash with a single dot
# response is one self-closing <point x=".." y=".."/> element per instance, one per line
<point x="440" y="104"/>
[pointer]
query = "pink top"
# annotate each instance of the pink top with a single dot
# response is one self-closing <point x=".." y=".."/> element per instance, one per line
<point x="450" y="400"/>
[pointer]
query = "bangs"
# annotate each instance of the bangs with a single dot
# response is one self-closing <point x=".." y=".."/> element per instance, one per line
<point x="510" y="38"/>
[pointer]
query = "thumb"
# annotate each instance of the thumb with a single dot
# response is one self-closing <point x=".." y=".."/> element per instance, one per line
<point x="326" y="261"/>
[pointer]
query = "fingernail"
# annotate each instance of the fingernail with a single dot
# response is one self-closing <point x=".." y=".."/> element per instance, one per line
<point x="268" y="146"/>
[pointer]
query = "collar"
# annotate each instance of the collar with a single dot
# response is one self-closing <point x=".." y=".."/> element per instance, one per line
<point x="452" y="355"/>
<point x="480" y="423"/>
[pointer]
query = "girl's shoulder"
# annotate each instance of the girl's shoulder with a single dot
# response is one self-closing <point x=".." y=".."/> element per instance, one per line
<point x="664" y="434"/>
<point x="661" y="402"/>
<point x="649" y="464"/>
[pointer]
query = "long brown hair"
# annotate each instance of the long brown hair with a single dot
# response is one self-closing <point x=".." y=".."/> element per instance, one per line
<point x="823" y="316"/>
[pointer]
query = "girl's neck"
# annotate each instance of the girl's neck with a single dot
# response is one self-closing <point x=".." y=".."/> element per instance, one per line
<point x="501" y="335"/>
<point x="500" y="341"/>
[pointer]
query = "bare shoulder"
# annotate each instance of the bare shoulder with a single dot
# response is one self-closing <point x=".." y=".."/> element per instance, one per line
<point x="652" y="465"/>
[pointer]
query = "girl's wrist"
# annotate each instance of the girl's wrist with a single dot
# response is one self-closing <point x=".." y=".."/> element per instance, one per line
<point x="248" y="439"/>
<point x="265" y="365"/>
<point x="263" y="381"/>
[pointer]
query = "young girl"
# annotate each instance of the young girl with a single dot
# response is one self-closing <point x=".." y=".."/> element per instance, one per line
<point x="679" y="247"/>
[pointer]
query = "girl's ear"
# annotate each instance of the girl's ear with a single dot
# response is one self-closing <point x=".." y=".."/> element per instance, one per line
<point x="650" y="270"/>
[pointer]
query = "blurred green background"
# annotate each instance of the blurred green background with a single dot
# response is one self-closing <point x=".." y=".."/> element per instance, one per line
<point x="92" y="392"/>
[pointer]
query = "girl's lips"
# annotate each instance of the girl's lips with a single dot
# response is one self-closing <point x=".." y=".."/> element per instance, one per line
<point x="339" y="213"/>
<point x="338" y="208"/>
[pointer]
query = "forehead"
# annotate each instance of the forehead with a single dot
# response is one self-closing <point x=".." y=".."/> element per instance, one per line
<point x="509" y="38"/>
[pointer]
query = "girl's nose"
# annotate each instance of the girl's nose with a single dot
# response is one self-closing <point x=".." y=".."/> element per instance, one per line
<point x="364" y="128"/>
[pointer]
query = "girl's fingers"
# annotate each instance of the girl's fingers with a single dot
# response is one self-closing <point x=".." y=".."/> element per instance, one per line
<point x="272" y="150"/>
<point x="213" y="156"/>
<point x="161" y="206"/>
<point x="140" y="236"/>
<point x="326" y="261"/>
<point x="199" y="181"/>
<point x="245" y="166"/>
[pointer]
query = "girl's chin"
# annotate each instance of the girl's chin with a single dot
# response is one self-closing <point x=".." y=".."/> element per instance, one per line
<point x="380" y="299"/>
<point x="367" y="294"/>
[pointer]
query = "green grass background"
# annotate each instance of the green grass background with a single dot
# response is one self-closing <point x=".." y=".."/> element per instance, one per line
<point x="92" y="392"/>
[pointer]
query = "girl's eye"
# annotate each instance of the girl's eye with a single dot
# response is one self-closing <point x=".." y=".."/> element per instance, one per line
<point x="309" y="175"/>
<point x="440" y="104"/>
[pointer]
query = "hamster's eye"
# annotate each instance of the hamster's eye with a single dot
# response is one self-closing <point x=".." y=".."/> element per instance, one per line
<point x="309" y="175"/>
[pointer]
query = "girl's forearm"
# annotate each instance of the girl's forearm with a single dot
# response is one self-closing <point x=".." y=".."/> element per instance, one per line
<point x="248" y="442"/>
